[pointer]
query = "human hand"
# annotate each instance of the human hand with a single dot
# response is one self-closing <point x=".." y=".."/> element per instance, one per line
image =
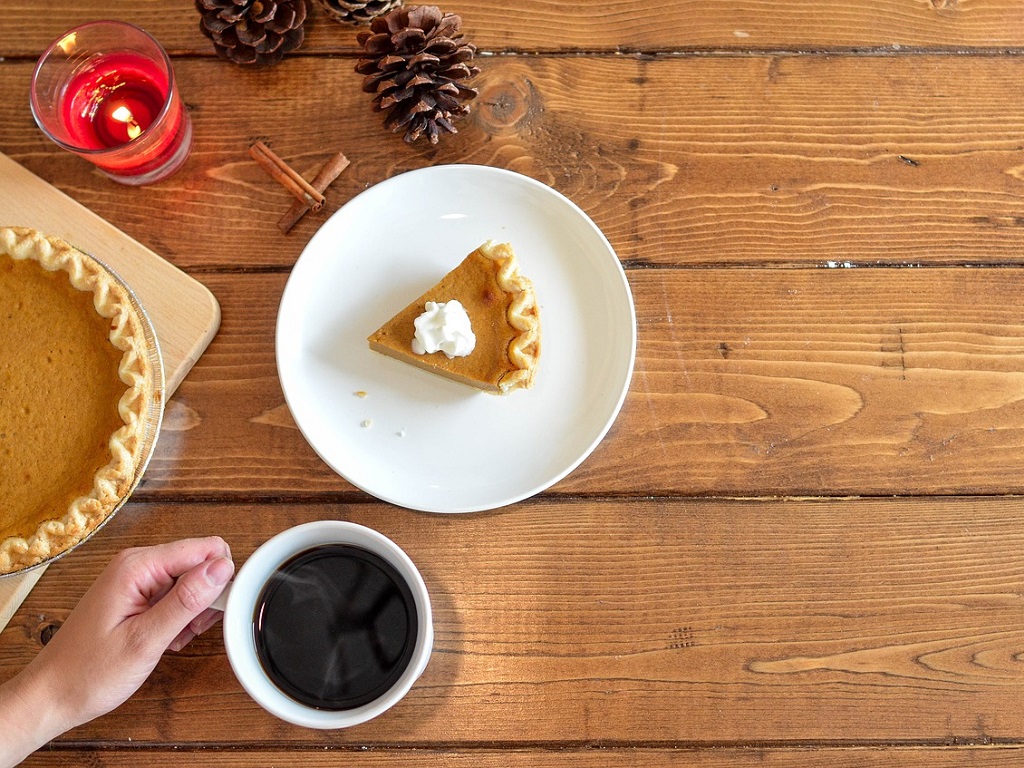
<point x="148" y="600"/>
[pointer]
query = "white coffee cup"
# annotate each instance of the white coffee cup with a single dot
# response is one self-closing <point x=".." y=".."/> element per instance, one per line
<point x="244" y="592"/>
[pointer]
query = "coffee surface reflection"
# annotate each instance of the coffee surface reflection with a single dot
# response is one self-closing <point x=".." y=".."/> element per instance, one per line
<point x="335" y="627"/>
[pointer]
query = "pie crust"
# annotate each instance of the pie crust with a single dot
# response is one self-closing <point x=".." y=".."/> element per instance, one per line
<point x="76" y="396"/>
<point x="502" y="309"/>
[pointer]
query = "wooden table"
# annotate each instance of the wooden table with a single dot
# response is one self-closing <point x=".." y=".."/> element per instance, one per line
<point x="802" y="542"/>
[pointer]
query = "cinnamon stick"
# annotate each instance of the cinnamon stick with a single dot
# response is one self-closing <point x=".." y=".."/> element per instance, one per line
<point x="286" y="176"/>
<point x="327" y="174"/>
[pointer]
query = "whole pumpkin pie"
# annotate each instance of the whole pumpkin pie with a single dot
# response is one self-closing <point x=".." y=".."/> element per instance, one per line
<point x="502" y="310"/>
<point x="75" y="389"/>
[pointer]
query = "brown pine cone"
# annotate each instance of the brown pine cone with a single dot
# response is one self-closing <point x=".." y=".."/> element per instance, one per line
<point x="258" y="32"/>
<point x="416" y="63"/>
<point x="357" y="11"/>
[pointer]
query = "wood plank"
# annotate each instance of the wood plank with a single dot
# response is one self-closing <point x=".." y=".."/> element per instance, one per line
<point x="747" y="382"/>
<point x="880" y="621"/>
<point x="763" y="160"/>
<point x="599" y="757"/>
<point x="595" y="24"/>
<point x="634" y="615"/>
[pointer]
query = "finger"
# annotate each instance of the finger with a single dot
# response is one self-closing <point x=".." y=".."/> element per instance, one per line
<point x="159" y="591"/>
<point x="196" y="627"/>
<point x="135" y="579"/>
<point x="162" y="564"/>
<point x="192" y="594"/>
<point x="176" y="557"/>
<point x="184" y="637"/>
<point x="201" y="623"/>
<point x="205" y="620"/>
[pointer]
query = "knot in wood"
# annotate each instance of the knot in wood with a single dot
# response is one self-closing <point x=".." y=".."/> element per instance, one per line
<point x="504" y="105"/>
<point x="46" y="630"/>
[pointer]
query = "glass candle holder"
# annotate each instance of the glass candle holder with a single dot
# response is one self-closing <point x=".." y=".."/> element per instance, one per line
<point x="105" y="91"/>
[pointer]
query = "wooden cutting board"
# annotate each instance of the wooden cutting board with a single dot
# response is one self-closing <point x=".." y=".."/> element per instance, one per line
<point x="183" y="311"/>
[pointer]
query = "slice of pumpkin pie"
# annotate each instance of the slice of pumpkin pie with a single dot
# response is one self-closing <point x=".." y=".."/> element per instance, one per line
<point x="478" y="325"/>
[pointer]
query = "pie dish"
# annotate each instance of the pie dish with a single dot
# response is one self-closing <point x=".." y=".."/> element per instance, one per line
<point x="75" y="414"/>
<point x="502" y="310"/>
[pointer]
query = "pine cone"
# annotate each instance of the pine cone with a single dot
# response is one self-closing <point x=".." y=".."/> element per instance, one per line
<point x="416" y="62"/>
<point x="358" y="11"/>
<point x="258" y="32"/>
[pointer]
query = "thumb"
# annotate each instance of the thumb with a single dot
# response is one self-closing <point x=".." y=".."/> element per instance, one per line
<point x="193" y="592"/>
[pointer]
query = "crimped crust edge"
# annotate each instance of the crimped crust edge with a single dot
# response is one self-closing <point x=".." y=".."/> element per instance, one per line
<point x="523" y="315"/>
<point x="112" y="482"/>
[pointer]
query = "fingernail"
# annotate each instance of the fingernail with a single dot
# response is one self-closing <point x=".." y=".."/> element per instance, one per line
<point x="219" y="571"/>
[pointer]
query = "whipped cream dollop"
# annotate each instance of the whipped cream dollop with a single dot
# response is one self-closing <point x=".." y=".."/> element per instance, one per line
<point x="444" y="327"/>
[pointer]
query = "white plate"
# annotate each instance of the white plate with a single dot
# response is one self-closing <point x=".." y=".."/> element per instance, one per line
<point x="421" y="441"/>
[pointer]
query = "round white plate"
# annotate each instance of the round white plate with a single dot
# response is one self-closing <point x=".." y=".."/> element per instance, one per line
<point x="410" y="437"/>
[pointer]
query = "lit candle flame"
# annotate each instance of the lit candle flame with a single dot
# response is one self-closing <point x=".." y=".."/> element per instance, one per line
<point x="124" y="115"/>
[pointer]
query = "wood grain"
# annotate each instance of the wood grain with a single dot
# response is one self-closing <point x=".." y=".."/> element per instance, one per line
<point x="856" y="622"/>
<point x="597" y="25"/>
<point x="748" y="382"/>
<point x="750" y="161"/>
<point x="599" y="756"/>
<point x="800" y="543"/>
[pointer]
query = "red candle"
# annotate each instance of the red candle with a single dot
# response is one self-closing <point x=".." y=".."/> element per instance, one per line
<point x="113" y="101"/>
<point x="106" y="91"/>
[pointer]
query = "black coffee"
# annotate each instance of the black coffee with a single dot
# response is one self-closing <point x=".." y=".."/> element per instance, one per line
<point x="335" y="627"/>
